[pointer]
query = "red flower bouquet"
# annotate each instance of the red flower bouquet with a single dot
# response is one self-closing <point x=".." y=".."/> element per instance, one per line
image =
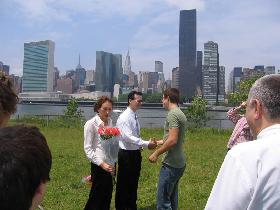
<point x="107" y="133"/>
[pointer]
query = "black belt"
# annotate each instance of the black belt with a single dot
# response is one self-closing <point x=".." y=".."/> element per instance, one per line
<point x="130" y="151"/>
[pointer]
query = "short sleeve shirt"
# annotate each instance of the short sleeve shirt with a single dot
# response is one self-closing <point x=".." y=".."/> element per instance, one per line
<point x="175" y="157"/>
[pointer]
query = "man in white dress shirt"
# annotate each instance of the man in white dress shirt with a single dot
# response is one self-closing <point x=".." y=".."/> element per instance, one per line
<point x="129" y="159"/>
<point x="250" y="175"/>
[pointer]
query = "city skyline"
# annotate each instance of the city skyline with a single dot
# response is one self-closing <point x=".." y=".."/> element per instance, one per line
<point x="245" y="31"/>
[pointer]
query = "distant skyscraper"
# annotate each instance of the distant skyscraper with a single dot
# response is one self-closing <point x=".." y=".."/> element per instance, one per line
<point x="38" y="66"/>
<point x="222" y="84"/>
<point x="108" y="71"/>
<point x="199" y="58"/>
<point x="161" y="81"/>
<point x="89" y="77"/>
<point x="175" y="78"/>
<point x="158" y="66"/>
<point x="80" y="73"/>
<point x="187" y="53"/>
<point x="236" y="78"/>
<point x="127" y="64"/>
<point x="143" y="81"/>
<point x="211" y="74"/>
<point x="55" y="77"/>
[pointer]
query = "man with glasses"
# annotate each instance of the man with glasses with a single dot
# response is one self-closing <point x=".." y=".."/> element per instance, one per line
<point x="129" y="159"/>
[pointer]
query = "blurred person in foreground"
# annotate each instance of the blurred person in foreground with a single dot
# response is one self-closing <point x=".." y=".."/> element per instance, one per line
<point x="249" y="176"/>
<point x="241" y="132"/>
<point x="174" y="162"/>
<point x="8" y="99"/>
<point x="25" y="163"/>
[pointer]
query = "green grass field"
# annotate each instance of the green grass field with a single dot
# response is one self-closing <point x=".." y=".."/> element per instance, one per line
<point x="205" y="151"/>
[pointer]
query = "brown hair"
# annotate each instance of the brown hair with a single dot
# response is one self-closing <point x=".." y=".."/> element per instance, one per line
<point x="25" y="163"/>
<point x="8" y="97"/>
<point x="173" y="94"/>
<point x="101" y="101"/>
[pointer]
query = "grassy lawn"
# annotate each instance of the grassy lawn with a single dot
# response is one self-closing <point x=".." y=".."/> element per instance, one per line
<point x="205" y="151"/>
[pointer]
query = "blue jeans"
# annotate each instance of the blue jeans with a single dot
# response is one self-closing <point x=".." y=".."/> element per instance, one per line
<point x="167" y="193"/>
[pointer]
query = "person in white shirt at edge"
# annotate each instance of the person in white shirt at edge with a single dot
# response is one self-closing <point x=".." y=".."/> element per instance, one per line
<point x="249" y="177"/>
<point x="129" y="157"/>
<point x="102" y="184"/>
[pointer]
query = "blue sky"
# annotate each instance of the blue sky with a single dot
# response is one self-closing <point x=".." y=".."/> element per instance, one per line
<point x="247" y="31"/>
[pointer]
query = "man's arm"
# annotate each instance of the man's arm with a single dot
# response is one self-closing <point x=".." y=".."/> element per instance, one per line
<point x="169" y="143"/>
<point x="127" y="136"/>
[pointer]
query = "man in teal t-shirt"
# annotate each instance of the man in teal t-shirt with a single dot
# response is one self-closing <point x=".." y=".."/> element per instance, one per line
<point x="174" y="162"/>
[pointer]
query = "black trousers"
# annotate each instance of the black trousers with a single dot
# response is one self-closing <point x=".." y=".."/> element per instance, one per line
<point x="129" y="162"/>
<point x="101" y="190"/>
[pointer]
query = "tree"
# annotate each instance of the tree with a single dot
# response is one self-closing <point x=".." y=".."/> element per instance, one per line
<point x="154" y="98"/>
<point x="72" y="109"/>
<point x="237" y="98"/>
<point x="197" y="113"/>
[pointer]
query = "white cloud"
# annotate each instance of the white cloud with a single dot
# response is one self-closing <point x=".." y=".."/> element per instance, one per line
<point x="41" y="10"/>
<point x="66" y="10"/>
<point x="187" y="4"/>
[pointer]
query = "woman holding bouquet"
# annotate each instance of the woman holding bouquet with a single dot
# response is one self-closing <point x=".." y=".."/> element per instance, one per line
<point x="102" y="166"/>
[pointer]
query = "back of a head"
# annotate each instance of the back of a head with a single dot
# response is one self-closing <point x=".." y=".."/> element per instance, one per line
<point x="173" y="94"/>
<point x="267" y="91"/>
<point x="25" y="163"/>
<point x="8" y="98"/>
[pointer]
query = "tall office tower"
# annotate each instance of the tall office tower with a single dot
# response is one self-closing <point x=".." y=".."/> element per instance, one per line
<point x="80" y="73"/>
<point x="160" y="83"/>
<point x="127" y="64"/>
<point x="175" y="78"/>
<point x="222" y="84"/>
<point x="236" y="78"/>
<point x="38" y="66"/>
<point x="199" y="58"/>
<point x="89" y="77"/>
<point x="153" y="81"/>
<point x="187" y="53"/>
<point x="211" y="73"/>
<point x="158" y="66"/>
<point x="108" y="71"/>
<point x="143" y="81"/>
<point x="55" y="78"/>
<point x="4" y="68"/>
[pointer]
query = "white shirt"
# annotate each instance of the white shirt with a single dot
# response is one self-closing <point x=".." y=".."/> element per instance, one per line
<point x="130" y="131"/>
<point x="92" y="141"/>
<point x="249" y="177"/>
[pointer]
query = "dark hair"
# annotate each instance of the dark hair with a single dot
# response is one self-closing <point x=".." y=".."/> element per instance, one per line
<point x="101" y="101"/>
<point x="131" y="95"/>
<point x="8" y="98"/>
<point x="25" y="163"/>
<point x="267" y="90"/>
<point x="173" y="94"/>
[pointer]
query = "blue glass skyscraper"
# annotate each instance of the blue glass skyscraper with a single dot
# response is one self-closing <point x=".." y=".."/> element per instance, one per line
<point x="108" y="71"/>
<point x="38" y="66"/>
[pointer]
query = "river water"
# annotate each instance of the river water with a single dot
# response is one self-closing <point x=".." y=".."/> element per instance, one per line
<point x="149" y="118"/>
